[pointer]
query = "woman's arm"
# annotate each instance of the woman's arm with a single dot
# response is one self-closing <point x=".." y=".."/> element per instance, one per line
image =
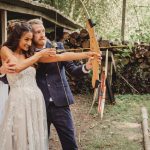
<point x="20" y="65"/>
<point x="68" y="56"/>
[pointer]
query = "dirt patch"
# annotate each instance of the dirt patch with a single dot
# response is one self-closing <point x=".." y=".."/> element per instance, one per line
<point x="130" y="130"/>
<point x="127" y="125"/>
<point x="82" y="121"/>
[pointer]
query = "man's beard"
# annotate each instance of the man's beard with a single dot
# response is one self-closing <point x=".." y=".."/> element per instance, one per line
<point x="39" y="43"/>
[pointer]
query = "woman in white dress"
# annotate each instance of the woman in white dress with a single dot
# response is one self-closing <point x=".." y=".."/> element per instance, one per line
<point x="24" y="126"/>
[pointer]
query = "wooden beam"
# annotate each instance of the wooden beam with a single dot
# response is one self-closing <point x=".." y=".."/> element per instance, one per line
<point x="4" y="25"/>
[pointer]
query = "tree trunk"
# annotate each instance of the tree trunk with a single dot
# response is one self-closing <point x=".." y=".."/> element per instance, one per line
<point x="123" y="20"/>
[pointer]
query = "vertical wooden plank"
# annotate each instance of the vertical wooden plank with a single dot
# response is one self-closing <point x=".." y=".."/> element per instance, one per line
<point x="4" y="25"/>
<point x="111" y="68"/>
<point x="109" y="73"/>
<point x="113" y="62"/>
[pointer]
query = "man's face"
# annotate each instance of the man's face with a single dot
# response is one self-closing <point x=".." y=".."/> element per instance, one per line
<point x="39" y="38"/>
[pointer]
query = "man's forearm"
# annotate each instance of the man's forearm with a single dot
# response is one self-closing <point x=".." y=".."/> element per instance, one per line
<point x="68" y="56"/>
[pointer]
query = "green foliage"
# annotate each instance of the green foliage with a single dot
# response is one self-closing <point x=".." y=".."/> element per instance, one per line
<point x="139" y="36"/>
<point x="108" y="16"/>
<point x="122" y="58"/>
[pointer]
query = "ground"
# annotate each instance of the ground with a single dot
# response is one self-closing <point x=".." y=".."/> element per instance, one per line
<point x="120" y="128"/>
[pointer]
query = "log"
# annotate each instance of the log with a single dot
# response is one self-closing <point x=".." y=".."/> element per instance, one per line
<point x="145" y="128"/>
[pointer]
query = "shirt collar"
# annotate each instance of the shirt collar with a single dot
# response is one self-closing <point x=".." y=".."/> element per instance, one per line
<point x="39" y="49"/>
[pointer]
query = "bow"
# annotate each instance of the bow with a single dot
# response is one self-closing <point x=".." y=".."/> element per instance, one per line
<point x="94" y="46"/>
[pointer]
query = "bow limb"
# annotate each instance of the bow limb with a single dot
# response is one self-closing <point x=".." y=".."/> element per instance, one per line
<point x="94" y="46"/>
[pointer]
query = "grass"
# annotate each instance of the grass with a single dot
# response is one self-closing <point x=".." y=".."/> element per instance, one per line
<point x="120" y="128"/>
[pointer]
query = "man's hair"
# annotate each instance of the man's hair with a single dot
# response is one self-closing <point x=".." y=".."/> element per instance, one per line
<point x="35" y="21"/>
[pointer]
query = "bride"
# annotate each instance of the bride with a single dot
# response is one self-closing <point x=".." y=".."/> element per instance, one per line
<point x="24" y="126"/>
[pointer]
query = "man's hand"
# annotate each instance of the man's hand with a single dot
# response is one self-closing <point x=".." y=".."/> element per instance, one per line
<point x="88" y="65"/>
<point x="48" y="52"/>
<point x="7" y="67"/>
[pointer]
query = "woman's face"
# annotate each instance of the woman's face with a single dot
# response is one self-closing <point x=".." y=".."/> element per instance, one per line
<point x="25" y="41"/>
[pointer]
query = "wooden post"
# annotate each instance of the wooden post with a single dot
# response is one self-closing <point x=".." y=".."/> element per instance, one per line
<point x="110" y="67"/>
<point x="145" y="128"/>
<point x="123" y="20"/>
<point x="4" y="25"/>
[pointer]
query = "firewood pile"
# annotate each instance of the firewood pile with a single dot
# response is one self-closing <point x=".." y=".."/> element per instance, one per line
<point x="77" y="40"/>
<point x="141" y="54"/>
<point x="132" y="62"/>
<point x="135" y="68"/>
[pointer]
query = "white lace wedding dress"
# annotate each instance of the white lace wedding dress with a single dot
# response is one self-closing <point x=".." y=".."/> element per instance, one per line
<point x="24" y="126"/>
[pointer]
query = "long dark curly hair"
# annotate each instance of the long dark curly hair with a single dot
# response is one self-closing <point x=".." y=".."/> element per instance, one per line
<point x="15" y="33"/>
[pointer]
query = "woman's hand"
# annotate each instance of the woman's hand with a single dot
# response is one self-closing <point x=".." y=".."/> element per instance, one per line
<point x="48" y="52"/>
<point x="7" y="67"/>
